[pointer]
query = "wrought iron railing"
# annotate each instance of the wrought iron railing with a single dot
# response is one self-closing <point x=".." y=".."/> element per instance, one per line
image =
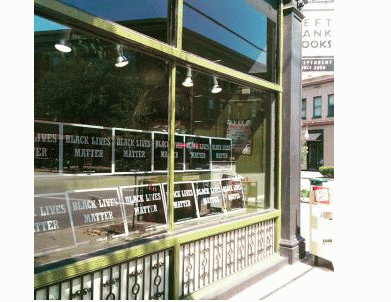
<point x="143" y="278"/>
<point x="210" y="259"/>
<point x="151" y="277"/>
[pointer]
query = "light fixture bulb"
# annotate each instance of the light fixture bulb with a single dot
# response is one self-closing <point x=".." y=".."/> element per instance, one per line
<point x="216" y="88"/>
<point x="188" y="81"/>
<point x="121" y="60"/>
<point x="63" y="46"/>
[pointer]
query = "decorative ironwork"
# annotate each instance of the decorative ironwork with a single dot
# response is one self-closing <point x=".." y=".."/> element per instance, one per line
<point x="156" y="296"/>
<point x="242" y="249"/>
<point x="251" y="244"/>
<point x="231" y="252"/>
<point x="132" y="286"/>
<point x="136" y="273"/>
<point x="136" y="286"/>
<point x="261" y="240"/>
<point x="204" y="257"/>
<point x="110" y="296"/>
<point x="222" y="255"/>
<point x="203" y="262"/>
<point x="110" y="282"/>
<point x="81" y="292"/>
<point x="218" y="265"/>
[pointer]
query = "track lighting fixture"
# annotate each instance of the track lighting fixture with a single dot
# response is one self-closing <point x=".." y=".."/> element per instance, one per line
<point x="121" y="60"/>
<point x="216" y="87"/>
<point x="188" y="81"/>
<point x="64" y="45"/>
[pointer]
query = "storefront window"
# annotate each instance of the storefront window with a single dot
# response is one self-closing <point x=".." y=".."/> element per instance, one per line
<point x="228" y="131"/>
<point x="149" y="17"/>
<point x="237" y="34"/>
<point x="101" y="135"/>
<point x="100" y="119"/>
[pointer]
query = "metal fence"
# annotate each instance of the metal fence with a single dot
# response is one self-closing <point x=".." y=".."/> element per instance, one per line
<point x="144" y="278"/>
<point x="151" y="277"/>
<point x="210" y="259"/>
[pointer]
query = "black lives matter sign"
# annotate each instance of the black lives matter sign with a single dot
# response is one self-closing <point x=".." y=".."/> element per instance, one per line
<point x="50" y="213"/>
<point x="46" y="146"/>
<point x="95" y="206"/>
<point x="87" y="149"/>
<point x="209" y="197"/>
<point x="161" y="151"/>
<point x="52" y="223"/>
<point x="197" y="153"/>
<point x="184" y="201"/>
<point x="233" y="193"/>
<point x="221" y="150"/>
<point x="133" y="151"/>
<point x="143" y="203"/>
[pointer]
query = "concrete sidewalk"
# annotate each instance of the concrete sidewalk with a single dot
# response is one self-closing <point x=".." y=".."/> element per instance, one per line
<point x="302" y="279"/>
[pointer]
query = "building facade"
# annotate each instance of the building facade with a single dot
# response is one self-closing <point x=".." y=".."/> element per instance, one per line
<point x="165" y="160"/>
<point x="318" y="119"/>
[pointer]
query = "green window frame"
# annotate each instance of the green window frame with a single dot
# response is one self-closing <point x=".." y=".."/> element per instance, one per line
<point x="173" y="53"/>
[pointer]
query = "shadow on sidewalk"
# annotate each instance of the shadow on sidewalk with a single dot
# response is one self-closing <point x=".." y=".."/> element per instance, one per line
<point x="309" y="260"/>
<point x="323" y="264"/>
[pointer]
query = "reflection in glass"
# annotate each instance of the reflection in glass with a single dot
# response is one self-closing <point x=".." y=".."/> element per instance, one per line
<point x="52" y="223"/>
<point x="85" y="86"/>
<point x="239" y="123"/>
<point x="96" y="110"/>
<point x="149" y="17"/>
<point x="144" y="207"/>
<point x="236" y="34"/>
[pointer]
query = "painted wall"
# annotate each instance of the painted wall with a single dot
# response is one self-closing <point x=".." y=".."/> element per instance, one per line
<point x="320" y="86"/>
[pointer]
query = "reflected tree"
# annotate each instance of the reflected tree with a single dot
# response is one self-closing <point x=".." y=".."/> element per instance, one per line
<point x="85" y="87"/>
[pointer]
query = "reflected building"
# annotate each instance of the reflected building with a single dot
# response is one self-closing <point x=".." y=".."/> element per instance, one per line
<point x="155" y="143"/>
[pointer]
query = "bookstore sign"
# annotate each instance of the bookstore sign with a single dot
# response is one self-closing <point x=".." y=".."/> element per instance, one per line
<point x="317" y="37"/>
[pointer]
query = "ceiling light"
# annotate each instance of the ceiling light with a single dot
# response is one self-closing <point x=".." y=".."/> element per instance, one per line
<point x="121" y="60"/>
<point x="188" y="81"/>
<point x="216" y="88"/>
<point x="63" y="46"/>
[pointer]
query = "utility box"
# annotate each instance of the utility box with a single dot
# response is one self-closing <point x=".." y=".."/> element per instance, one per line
<point x="321" y="221"/>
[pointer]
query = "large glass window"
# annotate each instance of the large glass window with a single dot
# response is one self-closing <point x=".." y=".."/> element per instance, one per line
<point x="101" y="135"/>
<point x="150" y="17"/>
<point x="100" y="119"/>
<point x="238" y="123"/>
<point x="236" y="34"/>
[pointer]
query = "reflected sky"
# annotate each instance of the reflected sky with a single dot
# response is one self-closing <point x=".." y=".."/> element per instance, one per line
<point x="232" y="23"/>
<point x="42" y="24"/>
<point x="123" y="10"/>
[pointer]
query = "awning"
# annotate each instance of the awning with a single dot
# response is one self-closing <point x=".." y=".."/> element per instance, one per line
<point x="313" y="136"/>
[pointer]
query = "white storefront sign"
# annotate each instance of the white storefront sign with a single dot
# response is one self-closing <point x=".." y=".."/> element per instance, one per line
<point x="317" y="35"/>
